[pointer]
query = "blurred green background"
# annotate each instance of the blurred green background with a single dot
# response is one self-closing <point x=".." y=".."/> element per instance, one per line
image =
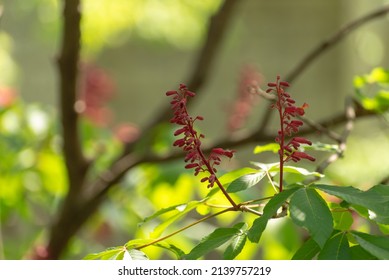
<point x="139" y="49"/>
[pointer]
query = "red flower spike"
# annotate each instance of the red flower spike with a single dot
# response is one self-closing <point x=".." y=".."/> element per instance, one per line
<point x="287" y="112"/>
<point x="191" y="143"/>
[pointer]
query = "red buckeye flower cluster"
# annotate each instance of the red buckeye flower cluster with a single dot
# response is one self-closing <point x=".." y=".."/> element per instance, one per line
<point x="289" y="125"/>
<point x="190" y="140"/>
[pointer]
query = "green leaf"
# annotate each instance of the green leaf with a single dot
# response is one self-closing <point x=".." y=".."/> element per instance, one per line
<point x="172" y="248"/>
<point x="178" y="212"/>
<point x="376" y="245"/>
<point x="246" y="181"/>
<point x="175" y="208"/>
<point x="307" y="251"/>
<point x="296" y="170"/>
<point x="237" y="242"/>
<point x="343" y="219"/>
<point x="233" y="175"/>
<point x="112" y="253"/>
<point x="229" y="177"/>
<point x="358" y="253"/>
<point x="162" y="244"/>
<point x="375" y="199"/>
<point x="270" y="209"/>
<point x="336" y="248"/>
<point x="271" y="147"/>
<point x="135" y="255"/>
<point x="384" y="229"/>
<point x="217" y="238"/>
<point x="309" y="210"/>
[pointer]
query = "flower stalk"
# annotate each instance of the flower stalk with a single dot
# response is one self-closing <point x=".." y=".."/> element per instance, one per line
<point x="190" y="142"/>
<point x="289" y="125"/>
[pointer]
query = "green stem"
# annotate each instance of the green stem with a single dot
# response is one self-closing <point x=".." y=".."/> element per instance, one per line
<point x="184" y="228"/>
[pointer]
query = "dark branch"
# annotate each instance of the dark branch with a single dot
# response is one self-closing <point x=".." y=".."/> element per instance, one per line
<point x="333" y="40"/>
<point x="68" y="72"/>
<point x="217" y="29"/>
<point x="326" y="45"/>
<point x="66" y="224"/>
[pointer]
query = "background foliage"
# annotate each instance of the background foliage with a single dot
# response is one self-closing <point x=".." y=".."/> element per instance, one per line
<point x="167" y="39"/>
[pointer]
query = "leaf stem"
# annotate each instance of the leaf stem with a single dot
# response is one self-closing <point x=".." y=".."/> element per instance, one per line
<point x="184" y="228"/>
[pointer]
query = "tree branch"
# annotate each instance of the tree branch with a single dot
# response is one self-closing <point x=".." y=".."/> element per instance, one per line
<point x="68" y="71"/>
<point x="324" y="46"/>
<point x="76" y="164"/>
<point x="217" y="28"/>
<point x="333" y="40"/>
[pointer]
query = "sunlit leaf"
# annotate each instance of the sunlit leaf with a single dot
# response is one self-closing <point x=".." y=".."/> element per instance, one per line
<point x="271" y="208"/>
<point x="233" y="175"/>
<point x="237" y="242"/>
<point x="375" y="199"/>
<point x="178" y="213"/>
<point x="108" y="254"/>
<point x="136" y="243"/>
<point x="307" y="251"/>
<point x="212" y="241"/>
<point x="134" y="255"/>
<point x="309" y="210"/>
<point x="376" y="245"/>
<point x="271" y="147"/>
<point x="296" y="170"/>
<point x="246" y="181"/>
<point x="336" y="248"/>
<point x="172" y="248"/>
<point x="343" y="219"/>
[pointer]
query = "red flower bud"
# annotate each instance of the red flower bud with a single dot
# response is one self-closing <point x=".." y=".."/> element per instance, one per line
<point x="191" y="165"/>
<point x="284" y="84"/>
<point x="171" y="92"/>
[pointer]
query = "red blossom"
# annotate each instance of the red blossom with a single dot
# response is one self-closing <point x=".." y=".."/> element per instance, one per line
<point x="245" y="100"/>
<point x="190" y="139"/>
<point x="289" y="125"/>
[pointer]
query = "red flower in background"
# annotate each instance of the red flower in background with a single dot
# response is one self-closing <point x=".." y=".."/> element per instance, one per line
<point x="7" y="97"/>
<point x="97" y="89"/>
<point x="245" y="100"/>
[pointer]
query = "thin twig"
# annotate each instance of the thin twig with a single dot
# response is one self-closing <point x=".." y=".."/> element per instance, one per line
<point x="323" y="47"/>
<point x="203" y="65"/>
<point x="350" y="116"/>
<point x="184" y="228"/>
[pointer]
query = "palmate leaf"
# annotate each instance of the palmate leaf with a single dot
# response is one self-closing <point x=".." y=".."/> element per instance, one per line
<point x="309" y="210"/>
<point x="336" y="248"/>
<point x="378" y="246"/>
<point x="376" y="199"/>
<point x="214" y="240"/>
<point x="271" y="208"/>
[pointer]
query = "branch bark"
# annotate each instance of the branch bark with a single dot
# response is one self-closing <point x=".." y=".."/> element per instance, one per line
<point x="76" y="164"/>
